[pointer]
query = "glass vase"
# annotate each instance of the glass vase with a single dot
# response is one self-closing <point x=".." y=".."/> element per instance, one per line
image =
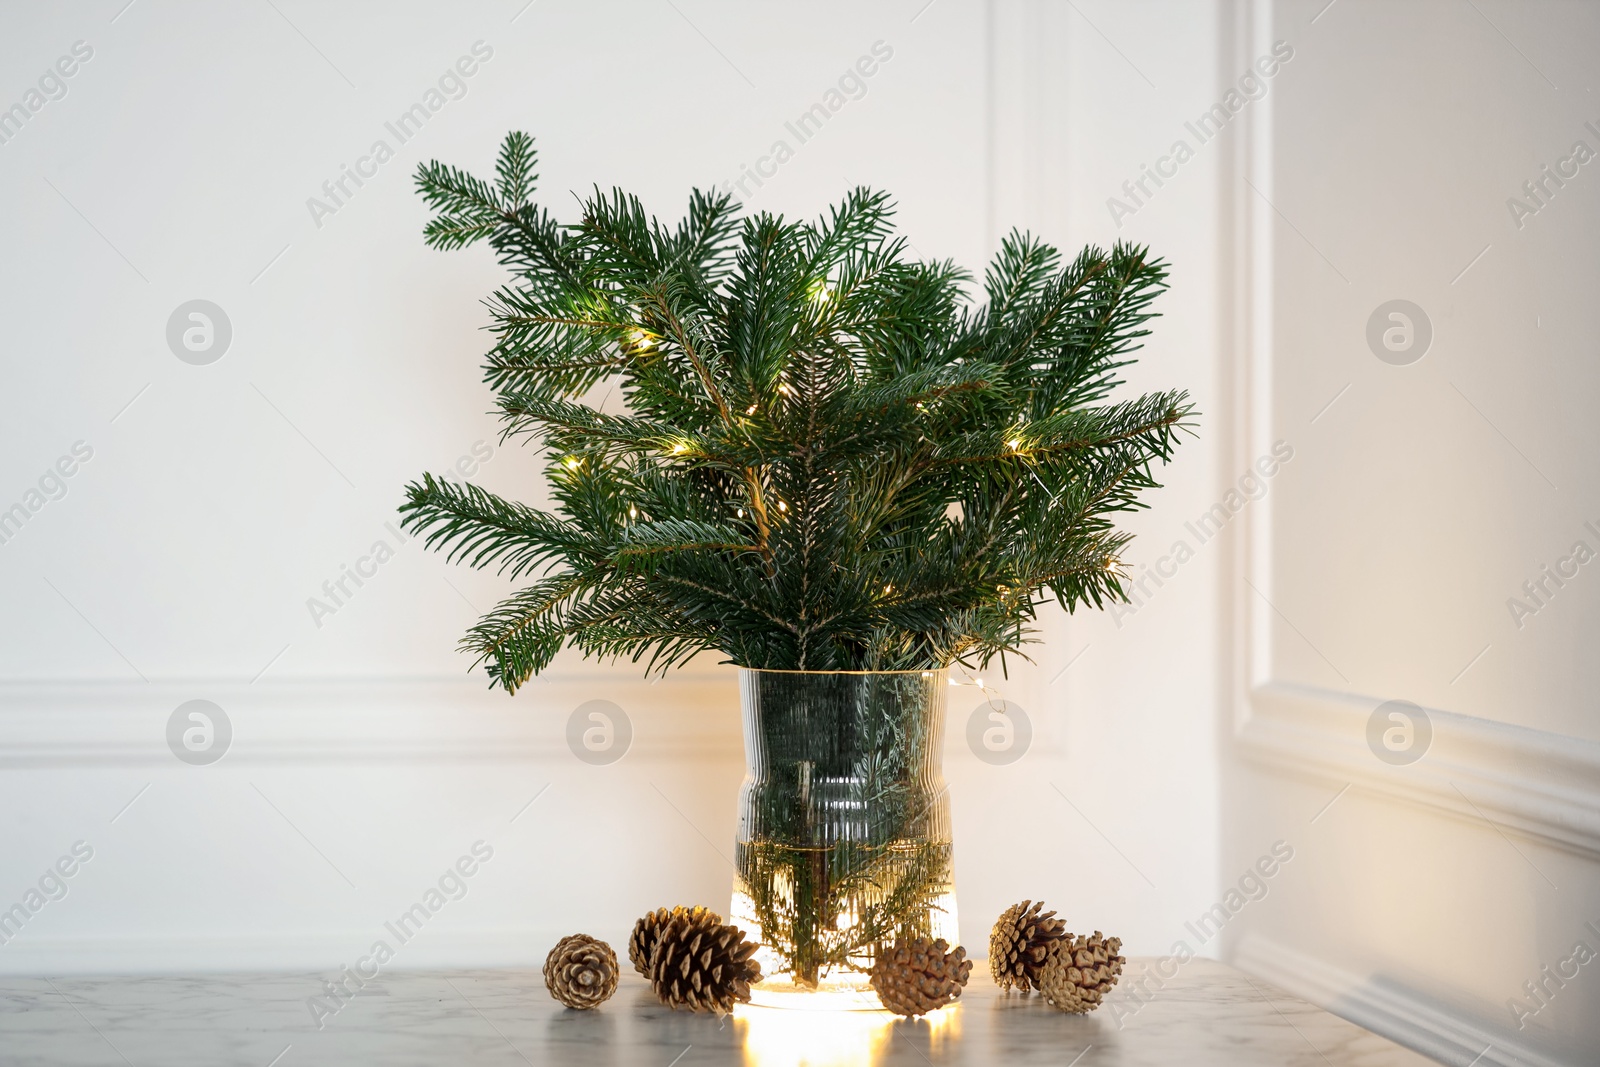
<point x="844" y="826"/>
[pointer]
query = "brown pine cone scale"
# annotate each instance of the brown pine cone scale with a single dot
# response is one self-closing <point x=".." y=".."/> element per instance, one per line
<point x="581" y="971"/>
<point x="919" y="975"/>
<point x="1080" y="972"/>
<point x="1021" y="942"/>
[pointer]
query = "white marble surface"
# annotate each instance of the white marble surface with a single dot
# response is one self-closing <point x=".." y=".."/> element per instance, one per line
<point x="1209" y="1014"/>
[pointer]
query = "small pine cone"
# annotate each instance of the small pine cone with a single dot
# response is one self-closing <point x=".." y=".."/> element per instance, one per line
<point x="1021" y="942"/>
<point x="919" y="975"/>
<point x="702" y="965"/>
<point x="1080" y="972"/>
<point x="648" y="929"/>
<point x="581" y="971"/>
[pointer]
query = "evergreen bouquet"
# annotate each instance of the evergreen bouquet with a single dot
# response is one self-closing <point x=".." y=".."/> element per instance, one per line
<point x="793" y="445"/>
<point x="822" y="455"/>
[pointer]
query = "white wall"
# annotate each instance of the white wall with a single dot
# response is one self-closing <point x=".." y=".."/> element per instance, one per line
<point x="219" y="498"/>
<point x="1383" y="565"/>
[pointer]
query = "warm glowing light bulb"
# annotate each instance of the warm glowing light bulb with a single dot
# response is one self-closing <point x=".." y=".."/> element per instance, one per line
<point x="633" y="513"/>
<point x="1015" y="444"/>
<point x="572" y="462"/>
<point x="782" y="506"/>
<point x="751" y="410"/>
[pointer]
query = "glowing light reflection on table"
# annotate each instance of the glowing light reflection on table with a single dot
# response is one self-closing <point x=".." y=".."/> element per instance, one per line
<point x="826" y="1037"/>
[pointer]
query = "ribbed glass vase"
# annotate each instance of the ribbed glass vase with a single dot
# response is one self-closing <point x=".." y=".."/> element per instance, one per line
<point x="844" y="826"/>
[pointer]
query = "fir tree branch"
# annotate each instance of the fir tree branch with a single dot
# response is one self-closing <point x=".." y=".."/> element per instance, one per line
<point x="476" y="527"/>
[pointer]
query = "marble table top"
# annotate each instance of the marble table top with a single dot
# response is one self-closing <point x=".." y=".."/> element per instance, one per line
<point x="1208" y="1014"/>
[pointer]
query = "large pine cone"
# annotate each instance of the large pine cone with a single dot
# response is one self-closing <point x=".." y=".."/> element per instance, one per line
<point x="581" y="971"/>
<point x="919" y="975"/>
<point x="699" y="964"/>
<point x="1021" y="942"/>
<point x="1080" y="972"/>
<point x="648" y="929"/>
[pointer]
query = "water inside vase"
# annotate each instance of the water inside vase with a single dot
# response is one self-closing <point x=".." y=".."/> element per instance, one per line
<point x="844" y="839"/>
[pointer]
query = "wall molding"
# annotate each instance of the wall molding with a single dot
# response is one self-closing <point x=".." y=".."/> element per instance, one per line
<point x="76" y="724"/>
<point x="687" y="717"/>
<point x="1388" y="1008"/>
<point x="1541" y="785"/>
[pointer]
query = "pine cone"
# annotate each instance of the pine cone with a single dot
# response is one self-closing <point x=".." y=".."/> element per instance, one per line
<point x="700" y="964"/>
<point x="648" y="929"/>
<point x="919" y="975"/>
<point x="581" y="971"/>
<point x="1020" y="943"/>
<point x="1080" y="972"/>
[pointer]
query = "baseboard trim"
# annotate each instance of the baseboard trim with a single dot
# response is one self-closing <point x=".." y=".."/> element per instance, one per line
<point x="308" y="953"/>
<point x="1544" y="786"/>
<point x="1388" y="1008"/>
